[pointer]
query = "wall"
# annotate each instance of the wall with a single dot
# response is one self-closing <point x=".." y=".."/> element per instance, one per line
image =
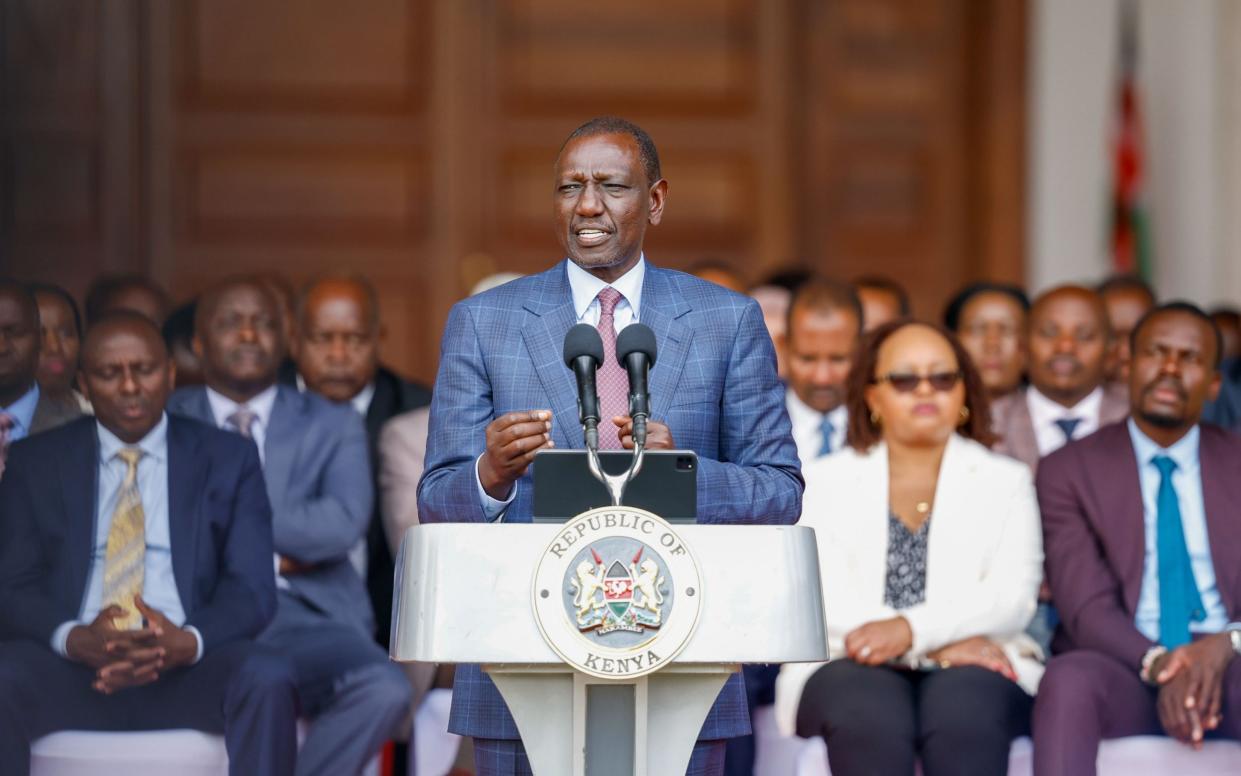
<point x="1190" y="82"/>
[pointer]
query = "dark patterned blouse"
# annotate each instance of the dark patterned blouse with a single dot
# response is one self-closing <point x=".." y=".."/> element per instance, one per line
<point x="906" y="581"/>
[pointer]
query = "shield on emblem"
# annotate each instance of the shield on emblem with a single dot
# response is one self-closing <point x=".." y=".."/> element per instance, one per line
<point x="618" y="589"/>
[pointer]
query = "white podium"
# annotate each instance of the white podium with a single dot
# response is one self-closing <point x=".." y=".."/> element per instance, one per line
<point x="560" y="616"/>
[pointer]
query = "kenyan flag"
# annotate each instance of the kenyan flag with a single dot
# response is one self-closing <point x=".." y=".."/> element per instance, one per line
<point x="1130" y="223"/>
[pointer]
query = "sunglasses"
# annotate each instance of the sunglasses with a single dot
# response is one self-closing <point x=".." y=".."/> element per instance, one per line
<point x="903" y="382"/>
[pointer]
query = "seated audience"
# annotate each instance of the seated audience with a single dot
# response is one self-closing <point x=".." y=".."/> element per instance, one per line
<point x="336" y="350"/>
<point x="1225" y="409"/>
<point x="883" y="301"/>
<point x="318" y="480"/>
<point x="930" y="557"/>
<point x="821" y="339"/>
<point x="1127" y="298"/>
<point x="1069" y="343"/>
<point x="178" y="331"/>
<point x="24" y="409"/>
<point x="1143" y="553"/>
<point x="990" y="321"/>
<point x="135" y="571"/>
<point x="773" y="296"/>
<point x="60" y="326"/>
<point x="110" y="293"/>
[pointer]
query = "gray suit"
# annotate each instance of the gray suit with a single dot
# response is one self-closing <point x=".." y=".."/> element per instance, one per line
<point x="318" y="481"/>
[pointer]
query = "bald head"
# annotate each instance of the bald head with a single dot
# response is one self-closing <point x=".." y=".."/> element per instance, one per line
<point x="126" y="373"/>
<point x="19" y="341"/>
<point x="338" y="336"/>
<point x="1070" y="342"/>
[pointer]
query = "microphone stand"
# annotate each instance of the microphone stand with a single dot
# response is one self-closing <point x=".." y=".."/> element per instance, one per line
<point x="615" y="483"/>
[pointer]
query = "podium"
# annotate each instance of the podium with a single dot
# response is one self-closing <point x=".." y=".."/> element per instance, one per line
<point x="609" y="636"/>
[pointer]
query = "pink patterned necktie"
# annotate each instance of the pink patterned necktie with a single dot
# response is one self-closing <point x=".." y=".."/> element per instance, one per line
<point x="612" y="380"/>
<point x="6" y="425"/>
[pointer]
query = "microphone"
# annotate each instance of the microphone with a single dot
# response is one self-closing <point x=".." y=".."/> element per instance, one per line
<point x="635" y="350"/>
<point x="583" y="353"/>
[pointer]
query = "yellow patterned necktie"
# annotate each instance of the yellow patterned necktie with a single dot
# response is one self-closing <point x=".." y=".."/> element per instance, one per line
<point x="123" y="567"/>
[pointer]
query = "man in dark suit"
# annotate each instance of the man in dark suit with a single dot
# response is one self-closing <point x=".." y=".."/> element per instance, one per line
<point x="315" y="467"/>
<point x="135" y="571"/>
<point x="1143" y="552"/>
<point x="24" y="409"/>
<point x="503" y="393"/>
<point x="336" y="349"/>
<point x="1070" y="345"/>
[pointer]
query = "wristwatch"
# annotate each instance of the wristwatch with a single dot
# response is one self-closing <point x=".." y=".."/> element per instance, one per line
<point x="1234" y="638"/>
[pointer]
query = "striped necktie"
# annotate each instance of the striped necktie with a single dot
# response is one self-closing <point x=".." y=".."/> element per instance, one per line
<point x="612" y="379"/>
<point x="126" y="553"/>
<point x="6" y="425"/>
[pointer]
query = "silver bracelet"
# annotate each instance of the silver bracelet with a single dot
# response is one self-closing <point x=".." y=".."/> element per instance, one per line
<point x="1148" y="662"/>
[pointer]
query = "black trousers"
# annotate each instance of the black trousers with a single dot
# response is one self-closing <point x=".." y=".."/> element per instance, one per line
<point x="881" y="720"/>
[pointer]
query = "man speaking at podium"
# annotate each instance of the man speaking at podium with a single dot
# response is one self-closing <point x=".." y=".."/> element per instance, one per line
<point x="503" y="393"/>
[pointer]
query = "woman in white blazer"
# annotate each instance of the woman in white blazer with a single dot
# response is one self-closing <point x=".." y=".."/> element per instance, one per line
<point x="930" y="552"/>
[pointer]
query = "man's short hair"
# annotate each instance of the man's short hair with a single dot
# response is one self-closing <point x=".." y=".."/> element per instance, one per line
<point x="823" y="296"/>
<point x="1179" y="306"/>
<point x="952" y="313"/>
<point x="1126" y="282"/>
<point x="789" y="278"/>
<point x="23" y="294"/>
<point x="881" y="283"/>
<point x="614" y="125"/>
<point x="105" y="287"/>
<point x="56" y="291"/>
<point x="358" y="279"/>
<point x="179" y="326"/>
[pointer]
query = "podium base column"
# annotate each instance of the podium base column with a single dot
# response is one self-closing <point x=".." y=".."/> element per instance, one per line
<point x="550" y="704"/>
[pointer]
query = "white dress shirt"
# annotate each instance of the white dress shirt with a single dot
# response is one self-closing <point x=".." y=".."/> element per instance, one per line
<point x="22" y="412"/>
<point x="222" y="408"/>
<point x="159" y="585"/>
<point x="1044" y="413"/>
<point x="1187" y="480"/>
<point x="585" y="289"/>
<point x="808" y="427"/>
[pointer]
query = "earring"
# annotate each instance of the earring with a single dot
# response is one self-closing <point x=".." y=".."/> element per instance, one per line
<point x="965" y="415"/>
<point x="875" y="420"/>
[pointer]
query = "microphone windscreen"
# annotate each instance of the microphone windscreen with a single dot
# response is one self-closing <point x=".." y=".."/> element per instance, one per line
<point x="582" y="340"/>
<point x="635" y="338"/>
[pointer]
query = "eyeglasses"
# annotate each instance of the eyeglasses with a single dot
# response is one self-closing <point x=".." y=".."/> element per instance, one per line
<point x="904" y="382"/>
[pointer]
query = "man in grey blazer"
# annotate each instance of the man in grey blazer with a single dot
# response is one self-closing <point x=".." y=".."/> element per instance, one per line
<point x="24" y="410"/>
<point x="318" y="479"/>
<point x="1070" y="344"/>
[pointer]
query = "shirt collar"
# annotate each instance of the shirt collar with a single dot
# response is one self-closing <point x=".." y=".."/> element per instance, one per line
<point x="802" y="415"/>
<point x="1184" y="452"/>
<point x="585" y="286"/>
<point x="361" y="401"/>
<point x="261" y="405"/>
<point x="1044" y="411"/>
<point x="154" y="445"/>
<point x="22" y="410"/>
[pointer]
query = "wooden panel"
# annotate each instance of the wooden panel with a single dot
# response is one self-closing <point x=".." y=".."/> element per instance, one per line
<point x="317" y="55"/>
<point x="553" y="57"/>
<point x="307" y="195"/>
<point x="59" y="185"/>
<point x="50" y="53"/>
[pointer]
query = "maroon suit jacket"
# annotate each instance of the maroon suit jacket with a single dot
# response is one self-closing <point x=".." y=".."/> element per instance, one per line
<point x="1094" y="539"/>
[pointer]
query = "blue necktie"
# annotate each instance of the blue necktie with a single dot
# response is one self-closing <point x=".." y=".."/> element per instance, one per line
<point x="827" y="429"/>
<point x="1068" y="426"/>
<point x="1179" y="601"/>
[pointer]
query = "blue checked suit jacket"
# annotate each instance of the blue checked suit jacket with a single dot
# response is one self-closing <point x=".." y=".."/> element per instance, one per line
<point x="714" y="384"/>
